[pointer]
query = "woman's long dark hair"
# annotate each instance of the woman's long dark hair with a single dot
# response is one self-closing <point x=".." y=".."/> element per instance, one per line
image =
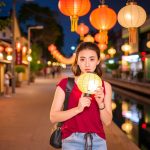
<point x="83" y="46"/>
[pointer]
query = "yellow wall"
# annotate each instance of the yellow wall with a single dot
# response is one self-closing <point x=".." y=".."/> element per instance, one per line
<point x="1" y="78"/>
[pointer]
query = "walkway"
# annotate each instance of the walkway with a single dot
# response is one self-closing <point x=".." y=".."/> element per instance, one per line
<point x="25" y="125"/>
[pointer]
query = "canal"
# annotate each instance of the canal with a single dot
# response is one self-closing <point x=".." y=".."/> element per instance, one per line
<point x="131" y="112"/>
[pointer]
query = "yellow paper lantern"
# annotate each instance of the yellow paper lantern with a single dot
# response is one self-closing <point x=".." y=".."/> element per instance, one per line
<point x="127" y="127"/>
<point x="131" y="16"/>
<point x="148" y="44"/>
<point x="111" y="51"/>
<point x="126" y="48"/>
<point x="89" y="82"/>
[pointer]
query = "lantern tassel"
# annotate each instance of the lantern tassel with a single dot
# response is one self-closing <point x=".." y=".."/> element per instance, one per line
<point x="103" y="37"/>
<point x="74" y="23"/>
<point x="81" y="37"/>
<point x="132" y="35"/>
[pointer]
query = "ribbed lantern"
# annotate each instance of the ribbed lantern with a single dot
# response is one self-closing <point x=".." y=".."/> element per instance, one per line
<point x="74" y="9"/>
<point x="103" y="18"/>
<point x="82" y="29"/>
<point x="131" y="16"/>
<point x="111" y="51"/>
<point x="126" y="48"/>
<point x="88" y="38"/>
<point x="102" y="47"/>
<point x="101" y="44"/>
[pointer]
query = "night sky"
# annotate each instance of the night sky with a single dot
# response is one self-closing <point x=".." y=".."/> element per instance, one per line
<point x="64" y="21"/>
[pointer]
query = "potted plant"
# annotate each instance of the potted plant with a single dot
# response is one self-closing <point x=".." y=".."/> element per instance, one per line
<point x="18" y="70"/>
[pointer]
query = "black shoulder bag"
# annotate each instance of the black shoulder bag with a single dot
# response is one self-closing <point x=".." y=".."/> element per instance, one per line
<point x="55" y="138"/>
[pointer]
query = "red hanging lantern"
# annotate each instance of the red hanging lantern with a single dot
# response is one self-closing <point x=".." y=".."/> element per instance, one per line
<point x="51" y="47"/>
<point x="74" y="9"/>
<point x="101" y="38"/>
<point x="103" y="19"/>
<point x="88" y="38"/>
<point x="102" y="47"/>
<point x="82" y="29"/>
<point x="8" y="50"/>
<point x="18" y="46"/>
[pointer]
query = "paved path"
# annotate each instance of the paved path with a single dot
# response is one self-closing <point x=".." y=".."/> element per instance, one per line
<point x="24" y="118"/>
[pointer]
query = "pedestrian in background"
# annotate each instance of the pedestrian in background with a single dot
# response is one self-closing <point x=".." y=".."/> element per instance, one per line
<point x="83" y="121"/>
<point x="7" y="77"/>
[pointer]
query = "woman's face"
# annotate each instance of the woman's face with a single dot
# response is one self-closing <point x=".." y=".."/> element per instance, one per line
<point x="87" y="60"/>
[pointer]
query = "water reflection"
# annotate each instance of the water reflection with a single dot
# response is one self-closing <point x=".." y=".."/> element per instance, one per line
<point x="132" y="115"/>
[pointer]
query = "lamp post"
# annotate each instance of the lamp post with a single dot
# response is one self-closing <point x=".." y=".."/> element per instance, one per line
<point x="29" y="47"/>
<point x="13" y="46"/>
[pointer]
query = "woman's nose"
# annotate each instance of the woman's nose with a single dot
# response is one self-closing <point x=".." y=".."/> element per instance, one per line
<point x="87" y="63"/>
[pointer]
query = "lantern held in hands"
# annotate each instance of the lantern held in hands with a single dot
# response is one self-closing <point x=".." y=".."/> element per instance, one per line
<point x="88" y="83"/>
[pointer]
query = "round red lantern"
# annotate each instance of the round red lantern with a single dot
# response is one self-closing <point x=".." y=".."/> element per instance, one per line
<point x="8" y="50"/>
<point x="74" y="9"/>
<point x="82" y="29"/>
<point x="103" y="19"/>
<point x="101" y="38"/>
<point x="88" y="38"/>
<point x="102" y="47"/>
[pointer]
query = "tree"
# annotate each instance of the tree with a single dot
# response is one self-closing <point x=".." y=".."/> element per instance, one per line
<point x="4" y="21"/>
<point x="36" y="15"/>
<point x="36" y="55"/>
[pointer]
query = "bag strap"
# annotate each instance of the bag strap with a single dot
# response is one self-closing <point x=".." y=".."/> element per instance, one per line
<point x="68" y="90"/>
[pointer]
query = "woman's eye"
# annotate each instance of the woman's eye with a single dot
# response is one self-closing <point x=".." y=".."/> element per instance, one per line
<point x="92" y="59"/>
<point x="81" y="59"/>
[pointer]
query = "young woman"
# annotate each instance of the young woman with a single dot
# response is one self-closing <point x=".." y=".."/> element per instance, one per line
<point x="83" y="121"/>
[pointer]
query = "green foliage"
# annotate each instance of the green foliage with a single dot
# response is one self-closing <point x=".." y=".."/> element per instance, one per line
<point x="4" y="22"/>
<point x="52" y="31"/>
<point x="19" y="69"/>
<point x="2" y="4"/>
<point x="36" y="55"/>
<point x="113" y="66"/>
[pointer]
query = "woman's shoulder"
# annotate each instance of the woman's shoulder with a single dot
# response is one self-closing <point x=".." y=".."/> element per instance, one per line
<point x="62" y="81"/>
<point x="107" y="85"/>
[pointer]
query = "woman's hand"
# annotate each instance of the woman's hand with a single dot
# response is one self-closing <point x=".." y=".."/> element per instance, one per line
<point x="83" y="102"/>
<point x="99" y="95"/>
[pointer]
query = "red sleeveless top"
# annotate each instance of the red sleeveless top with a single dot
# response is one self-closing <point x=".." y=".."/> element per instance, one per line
<point x="86" y="121"/>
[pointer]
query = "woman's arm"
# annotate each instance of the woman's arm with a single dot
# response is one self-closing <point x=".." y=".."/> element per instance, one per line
<point x="106" y="113"/>
<point x="56" y="112"/>
<point x="104" y="103"/>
